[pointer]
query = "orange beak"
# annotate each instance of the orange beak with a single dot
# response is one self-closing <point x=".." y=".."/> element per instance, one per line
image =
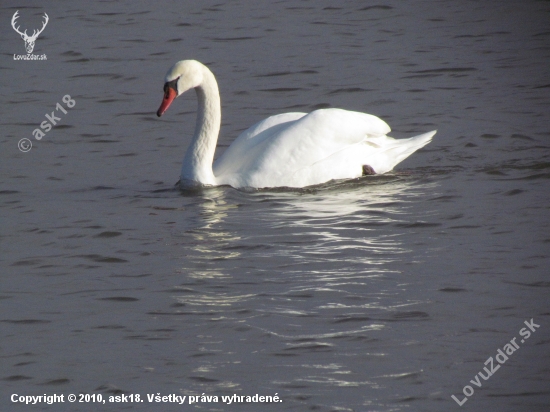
<point x="169" y="95"/>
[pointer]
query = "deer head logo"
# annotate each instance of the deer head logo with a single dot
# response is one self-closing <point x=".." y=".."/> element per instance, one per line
<point x="29" y="40"/>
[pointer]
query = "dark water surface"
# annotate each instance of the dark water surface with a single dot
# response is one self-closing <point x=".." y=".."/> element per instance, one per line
<point x="386" y="293"/>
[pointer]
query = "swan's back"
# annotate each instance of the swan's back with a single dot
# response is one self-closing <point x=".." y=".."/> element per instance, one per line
<point x="296" y="150"/>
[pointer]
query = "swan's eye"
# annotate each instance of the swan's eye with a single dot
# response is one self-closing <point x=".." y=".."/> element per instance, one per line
<point x="171" y="85"/>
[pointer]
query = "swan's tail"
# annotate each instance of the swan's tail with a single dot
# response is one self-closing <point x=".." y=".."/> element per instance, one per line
<point x="400" y="149"/>
<point x="411" y="145"/>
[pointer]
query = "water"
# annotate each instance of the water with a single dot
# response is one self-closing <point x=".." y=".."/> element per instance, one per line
<point x="385" y="293"/>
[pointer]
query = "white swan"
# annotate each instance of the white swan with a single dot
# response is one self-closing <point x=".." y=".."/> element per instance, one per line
<point x="290" y="149"/>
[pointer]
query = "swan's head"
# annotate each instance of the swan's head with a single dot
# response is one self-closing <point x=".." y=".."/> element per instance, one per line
<point x="184" y="75"/>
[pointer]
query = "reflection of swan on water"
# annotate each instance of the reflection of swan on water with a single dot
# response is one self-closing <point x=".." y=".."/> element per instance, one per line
<point x="205" y="233"/>
<point x="290" y="149"/>
<point x="384" y="199"/>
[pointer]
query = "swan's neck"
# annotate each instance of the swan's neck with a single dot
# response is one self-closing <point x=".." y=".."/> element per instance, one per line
<point x="197" y="163"/>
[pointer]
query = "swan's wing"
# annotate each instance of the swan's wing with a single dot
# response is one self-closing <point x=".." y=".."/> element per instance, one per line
<point x="253" y="132"/>
<point x="248" y="142"/>
<point x="286" y="148"/>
